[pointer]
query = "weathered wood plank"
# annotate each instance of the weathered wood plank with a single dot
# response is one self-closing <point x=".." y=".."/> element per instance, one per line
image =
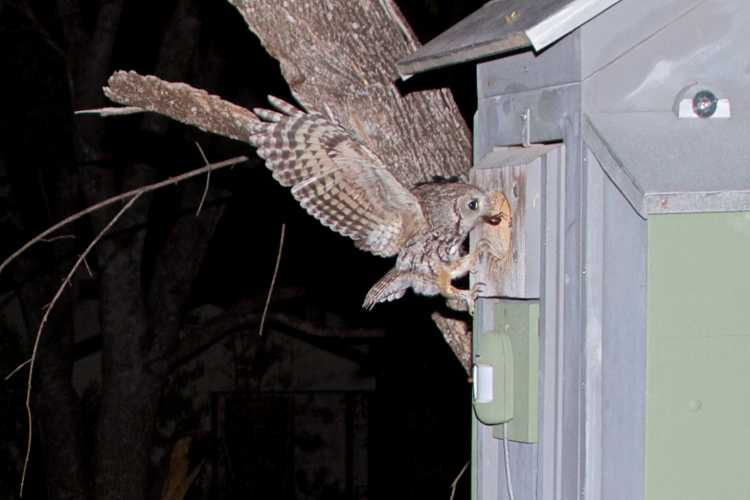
<point x="512" y="267"/>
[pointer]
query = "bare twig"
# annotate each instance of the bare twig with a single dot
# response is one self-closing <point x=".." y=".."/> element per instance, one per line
<point x="39" y="29"/>
<point x="17" y="369"/>
<point x="208" y="180"/>
<point x="131" y="196"/>
<point x="88" y="268"/>
<point x="273" y="280"/>
<point x="56" y="238"/>
<point x="39" y="330"/>
<point x="115" y="199"/>
<point x="454" y="484"/>
<point x="111" y="111"/>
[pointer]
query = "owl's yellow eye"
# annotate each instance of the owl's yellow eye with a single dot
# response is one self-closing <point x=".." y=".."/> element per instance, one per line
<point x="473" y="204"/>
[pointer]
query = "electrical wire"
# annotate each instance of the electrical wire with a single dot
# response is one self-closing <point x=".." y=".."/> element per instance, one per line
<point x="508" y="481"/>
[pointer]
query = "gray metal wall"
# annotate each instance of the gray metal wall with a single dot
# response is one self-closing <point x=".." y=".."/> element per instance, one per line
<point x="592" y="295"/>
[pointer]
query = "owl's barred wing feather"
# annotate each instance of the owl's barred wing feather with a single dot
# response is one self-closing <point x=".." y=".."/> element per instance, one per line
<point x="336" y="178"/>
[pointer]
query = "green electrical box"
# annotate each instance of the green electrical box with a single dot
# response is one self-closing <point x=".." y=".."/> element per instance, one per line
<point x="506" y="367"/>
<point x="698" y="357"/>
<point x="492" y="376"/>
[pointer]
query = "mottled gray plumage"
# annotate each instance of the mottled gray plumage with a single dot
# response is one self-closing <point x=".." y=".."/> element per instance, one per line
<point x="341" y="182"/>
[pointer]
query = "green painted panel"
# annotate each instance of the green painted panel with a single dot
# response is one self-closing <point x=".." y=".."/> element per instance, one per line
<point x="510" y="344"/>
<point x="520" y="321"/>
<point x="698" y="357"/>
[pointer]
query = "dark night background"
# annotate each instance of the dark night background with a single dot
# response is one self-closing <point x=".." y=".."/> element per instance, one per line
<point x="381" y="412"/>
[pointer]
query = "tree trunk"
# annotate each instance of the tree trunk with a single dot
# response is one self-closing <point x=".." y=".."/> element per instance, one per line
<point x="141" y="314"/>
<point x="339" y="58"/>
<point x="37" y="142"/>
<point x="141" y="320"/>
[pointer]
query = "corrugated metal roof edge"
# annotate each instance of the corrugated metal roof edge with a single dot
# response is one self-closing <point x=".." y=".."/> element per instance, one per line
<point x="410" y="66"/>
<point x="538" y="36"/>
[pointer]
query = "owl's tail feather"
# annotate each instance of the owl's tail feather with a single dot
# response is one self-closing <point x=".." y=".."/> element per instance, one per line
<point x="392" y="286"/>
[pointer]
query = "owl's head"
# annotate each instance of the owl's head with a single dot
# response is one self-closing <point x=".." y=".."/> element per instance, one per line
<point x="458" y="205"/>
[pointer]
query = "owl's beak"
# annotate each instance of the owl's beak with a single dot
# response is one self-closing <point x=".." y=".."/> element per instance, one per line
<point x="493" y="219"/>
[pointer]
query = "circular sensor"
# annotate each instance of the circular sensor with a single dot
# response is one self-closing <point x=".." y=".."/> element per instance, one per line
<point x="704" y="103"/>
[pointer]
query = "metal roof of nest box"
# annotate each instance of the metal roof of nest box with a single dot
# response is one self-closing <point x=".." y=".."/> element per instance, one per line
<point x="658" y="90"/>
<point x="503" y="26"/>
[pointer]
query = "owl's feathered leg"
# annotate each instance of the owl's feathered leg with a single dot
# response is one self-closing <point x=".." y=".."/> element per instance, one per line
<point x="458" y="299"/>
<point x="463" y="300"/>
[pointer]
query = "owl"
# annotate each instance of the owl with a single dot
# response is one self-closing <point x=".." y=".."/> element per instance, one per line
<point x="338" y="180"/>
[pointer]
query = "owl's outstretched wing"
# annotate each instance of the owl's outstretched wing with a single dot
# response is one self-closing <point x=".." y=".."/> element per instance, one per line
<point x="336" y="178"/>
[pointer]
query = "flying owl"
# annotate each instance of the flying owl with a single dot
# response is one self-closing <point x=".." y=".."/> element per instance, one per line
<point x="338" y="180"/>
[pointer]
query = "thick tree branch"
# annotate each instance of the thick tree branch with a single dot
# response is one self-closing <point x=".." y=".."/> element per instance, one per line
<point x="339" y="56"/>
<point x="96" y="55"/>
<point x="175" y="269"/>
<point x="338" y="59"/>
<point x="180" y="42"/>
<point x="181" y="102"/>
<point x="457" y="334"/>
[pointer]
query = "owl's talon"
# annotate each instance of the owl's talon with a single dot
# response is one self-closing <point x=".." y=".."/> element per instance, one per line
<point x="470" y="301"/>
<point x="470" y="296"/>
<point x="457" y="304"/>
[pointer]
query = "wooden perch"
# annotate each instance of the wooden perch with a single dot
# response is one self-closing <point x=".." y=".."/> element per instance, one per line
<point x="181" y="102"/>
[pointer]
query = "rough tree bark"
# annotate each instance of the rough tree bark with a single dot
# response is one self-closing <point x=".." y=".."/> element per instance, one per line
<point x="338" y="58"/>
<point x="136" y="330"/>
